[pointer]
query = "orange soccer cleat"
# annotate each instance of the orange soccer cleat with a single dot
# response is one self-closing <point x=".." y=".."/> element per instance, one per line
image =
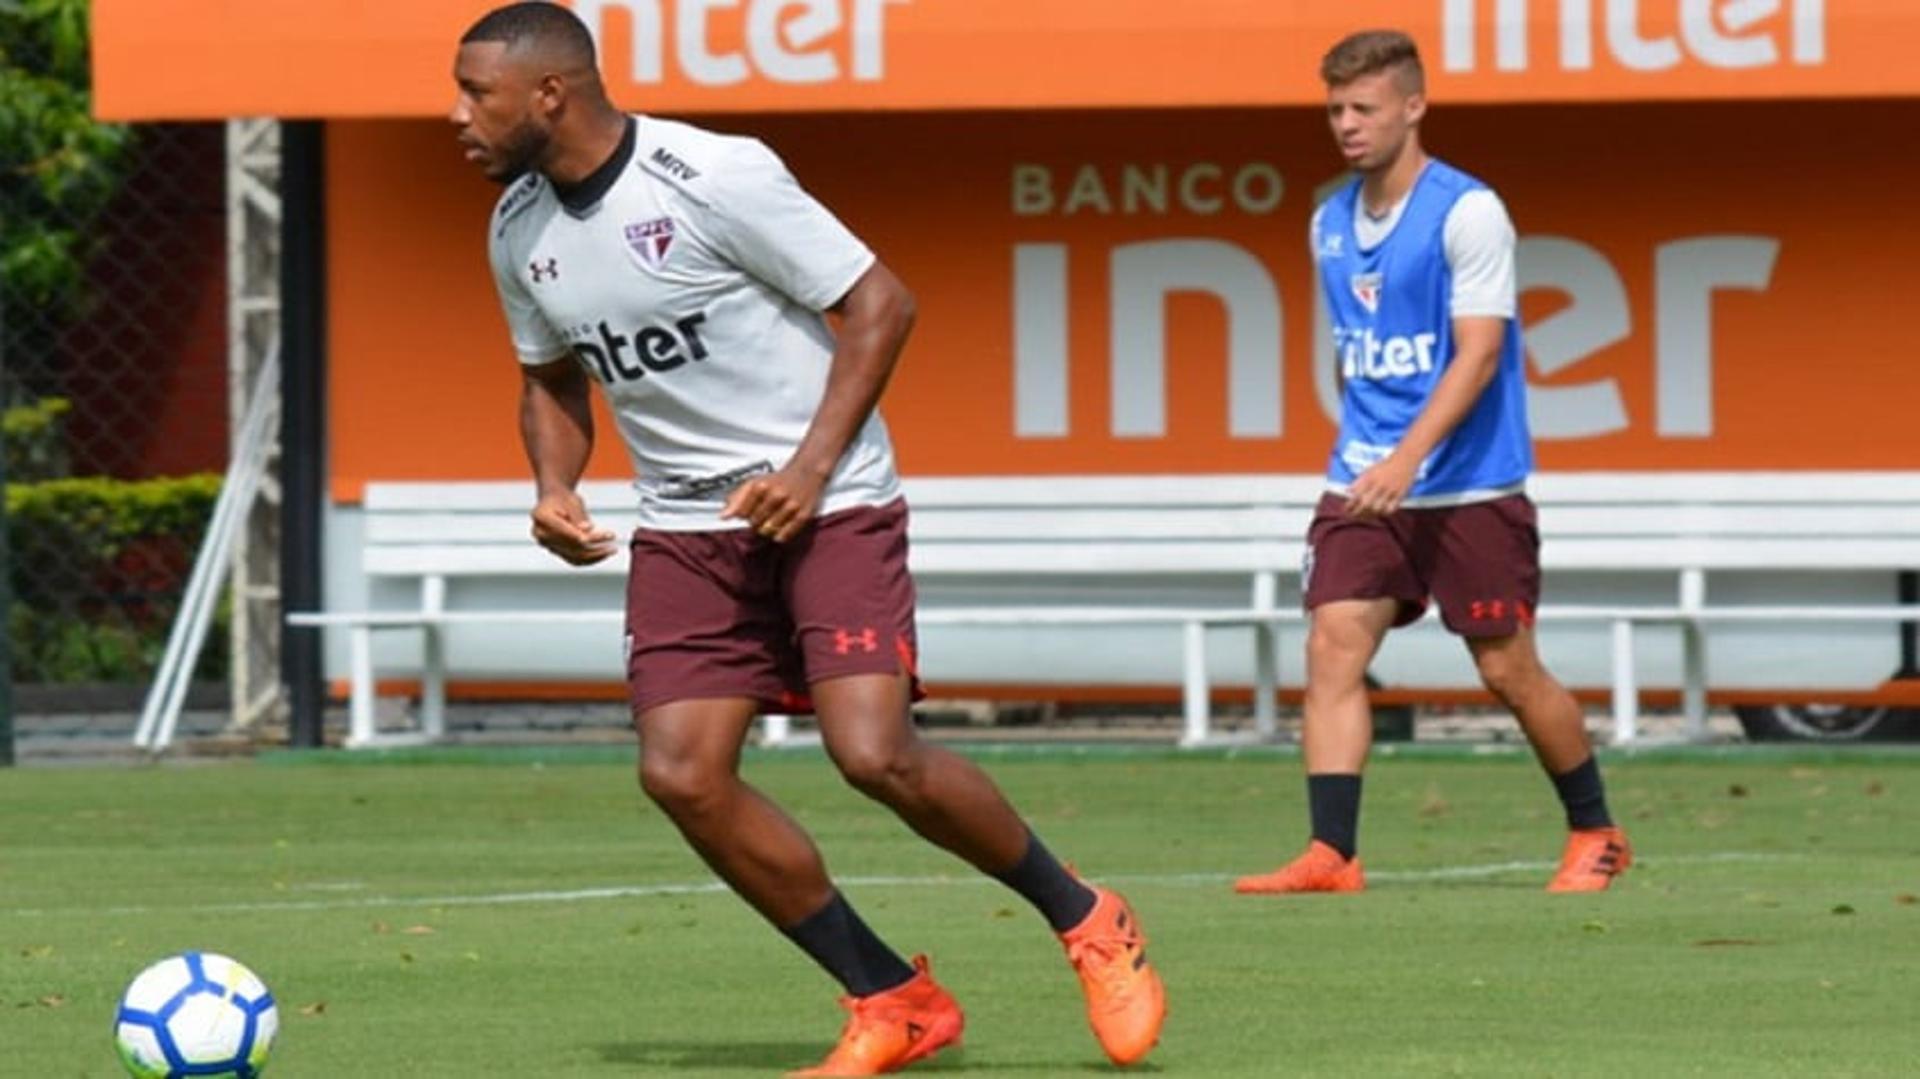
<point x="1594" y="856"/>
<point x="889" y="1030"/>
<point x="1126" y="1003"/>
<point x="1320" y="869"/>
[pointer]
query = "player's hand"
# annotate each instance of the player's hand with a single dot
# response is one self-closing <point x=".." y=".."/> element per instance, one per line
<point x="561" y="525"/>
<point x="1381" y="489"/>
<point x="776" y="506"/>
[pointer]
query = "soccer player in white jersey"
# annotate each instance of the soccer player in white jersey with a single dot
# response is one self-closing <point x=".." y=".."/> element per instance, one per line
<point x="687" y="273"/>
<point x="1427" y="482"/>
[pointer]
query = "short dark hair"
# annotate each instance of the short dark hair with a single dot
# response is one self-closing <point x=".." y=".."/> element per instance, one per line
<point x="536" y="23"/>
<point x="1371" y="52"/>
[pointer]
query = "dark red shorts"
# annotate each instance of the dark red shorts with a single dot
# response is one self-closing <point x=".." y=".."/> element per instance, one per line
<point x="1480" y="561"/>
<point x="733" y="614"/>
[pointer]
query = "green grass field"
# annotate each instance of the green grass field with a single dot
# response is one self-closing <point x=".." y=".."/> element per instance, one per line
<point x="529" y="914"/>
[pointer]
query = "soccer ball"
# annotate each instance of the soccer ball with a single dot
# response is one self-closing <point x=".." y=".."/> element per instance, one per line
<point x="195" y="1014"/>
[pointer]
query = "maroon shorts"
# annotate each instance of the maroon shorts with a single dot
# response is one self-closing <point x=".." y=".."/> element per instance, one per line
<point x="734" y="614"/>
<point x="1480" y="561"/>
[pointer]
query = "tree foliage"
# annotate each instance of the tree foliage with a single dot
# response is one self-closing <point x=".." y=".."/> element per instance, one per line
<point x="58" y="170"/>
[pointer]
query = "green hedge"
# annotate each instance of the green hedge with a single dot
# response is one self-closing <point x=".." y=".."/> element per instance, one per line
<point x="98" y="566"/>
<point x="36" y="440"/>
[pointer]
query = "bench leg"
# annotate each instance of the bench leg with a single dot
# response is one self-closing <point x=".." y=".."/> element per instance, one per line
<point x="433" y="683"/>
<point x="360" y="731"/>
<point x="1266" y="681"/>
<point x="1693" y="655"/>
<point x="433" y="659"/>
<point x="776" y="732"/>
<point x="775" y="729"/>
<point x="1194" y="692"/>
<point x="1693" y="691"/>
<point x="1626" y="691"/>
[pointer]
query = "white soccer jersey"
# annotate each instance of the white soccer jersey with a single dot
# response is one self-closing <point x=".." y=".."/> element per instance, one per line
<point x="692" y="291"/>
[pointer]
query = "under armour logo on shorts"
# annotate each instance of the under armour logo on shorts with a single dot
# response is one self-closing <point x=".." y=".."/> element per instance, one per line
<point x="866" y="640"/>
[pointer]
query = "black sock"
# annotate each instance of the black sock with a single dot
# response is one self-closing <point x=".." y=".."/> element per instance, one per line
<point x="1584" y="796"/>
<point x="844" y="947"/>
<point x="1333" y="803"/>
<point x="1044" y="882"/>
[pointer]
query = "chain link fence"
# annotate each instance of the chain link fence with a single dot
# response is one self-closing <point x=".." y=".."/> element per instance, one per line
<point x="113" y="364"/>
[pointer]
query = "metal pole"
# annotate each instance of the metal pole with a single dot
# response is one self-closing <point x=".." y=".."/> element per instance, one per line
<point x="303" y="418"/>
<point x="253" y="331"/>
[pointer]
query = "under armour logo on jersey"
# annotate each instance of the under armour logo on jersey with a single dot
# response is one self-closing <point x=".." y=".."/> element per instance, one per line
<point x="1331" y="245"/>
<point x="651" y="240"/>
<point x="1366" y="289"/>
<point x="866" y="640"/>
<point x="544" y="271"/>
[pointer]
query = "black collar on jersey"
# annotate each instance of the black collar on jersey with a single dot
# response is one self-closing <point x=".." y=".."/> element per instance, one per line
<point x="585" y="195"/>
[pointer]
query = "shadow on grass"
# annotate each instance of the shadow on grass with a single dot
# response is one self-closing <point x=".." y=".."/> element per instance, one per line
<point x="776" y="1056"/>
<point x="1474" y="884"/>
<point x="959" y="1063"/>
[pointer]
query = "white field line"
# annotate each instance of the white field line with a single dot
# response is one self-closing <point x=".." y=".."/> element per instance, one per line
<point x="654" y="891"/>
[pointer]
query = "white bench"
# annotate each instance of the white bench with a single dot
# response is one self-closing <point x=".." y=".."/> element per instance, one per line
<point x="1247" y="529"/>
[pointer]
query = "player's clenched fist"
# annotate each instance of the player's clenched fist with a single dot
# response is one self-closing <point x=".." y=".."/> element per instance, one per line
<point x="776" y="506"/>
<point x="561" y="525"/>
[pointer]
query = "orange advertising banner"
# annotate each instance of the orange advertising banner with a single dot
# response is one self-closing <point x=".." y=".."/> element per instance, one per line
<point x="1125" y="292"/>
<point x="178" y="59"/>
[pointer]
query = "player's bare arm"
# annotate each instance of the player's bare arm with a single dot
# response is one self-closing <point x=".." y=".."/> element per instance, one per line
<point x="1379" y="490"/>
<point x="556" y="427"/>
<point x="875" y="318"/>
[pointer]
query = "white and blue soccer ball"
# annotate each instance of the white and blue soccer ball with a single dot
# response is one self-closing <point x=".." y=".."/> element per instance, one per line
<point x="195" y="1014"/>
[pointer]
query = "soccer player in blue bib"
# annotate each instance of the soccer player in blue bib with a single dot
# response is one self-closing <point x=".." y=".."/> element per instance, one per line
<point x="1426" y="487"/>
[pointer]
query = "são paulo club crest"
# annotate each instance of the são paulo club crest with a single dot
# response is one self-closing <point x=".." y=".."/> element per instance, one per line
<point x="651" y="240"/>
<point x="1366" y="289"/>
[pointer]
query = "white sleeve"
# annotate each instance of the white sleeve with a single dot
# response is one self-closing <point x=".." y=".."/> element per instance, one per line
<point x="769" y="226"/>
<point x="1480" y="242"/>
<point x="532" y="336"/>
<point x="534" y="339"/>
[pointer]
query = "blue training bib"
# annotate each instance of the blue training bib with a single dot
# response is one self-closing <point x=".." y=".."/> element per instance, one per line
<point x="1393" y="338"/>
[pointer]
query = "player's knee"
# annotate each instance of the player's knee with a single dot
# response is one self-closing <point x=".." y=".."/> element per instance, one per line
<point x="1335" y="653"/>
<point x="880" y="770"/>
<point x="680" y="787"/>
<point x="1507" y="676"/>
